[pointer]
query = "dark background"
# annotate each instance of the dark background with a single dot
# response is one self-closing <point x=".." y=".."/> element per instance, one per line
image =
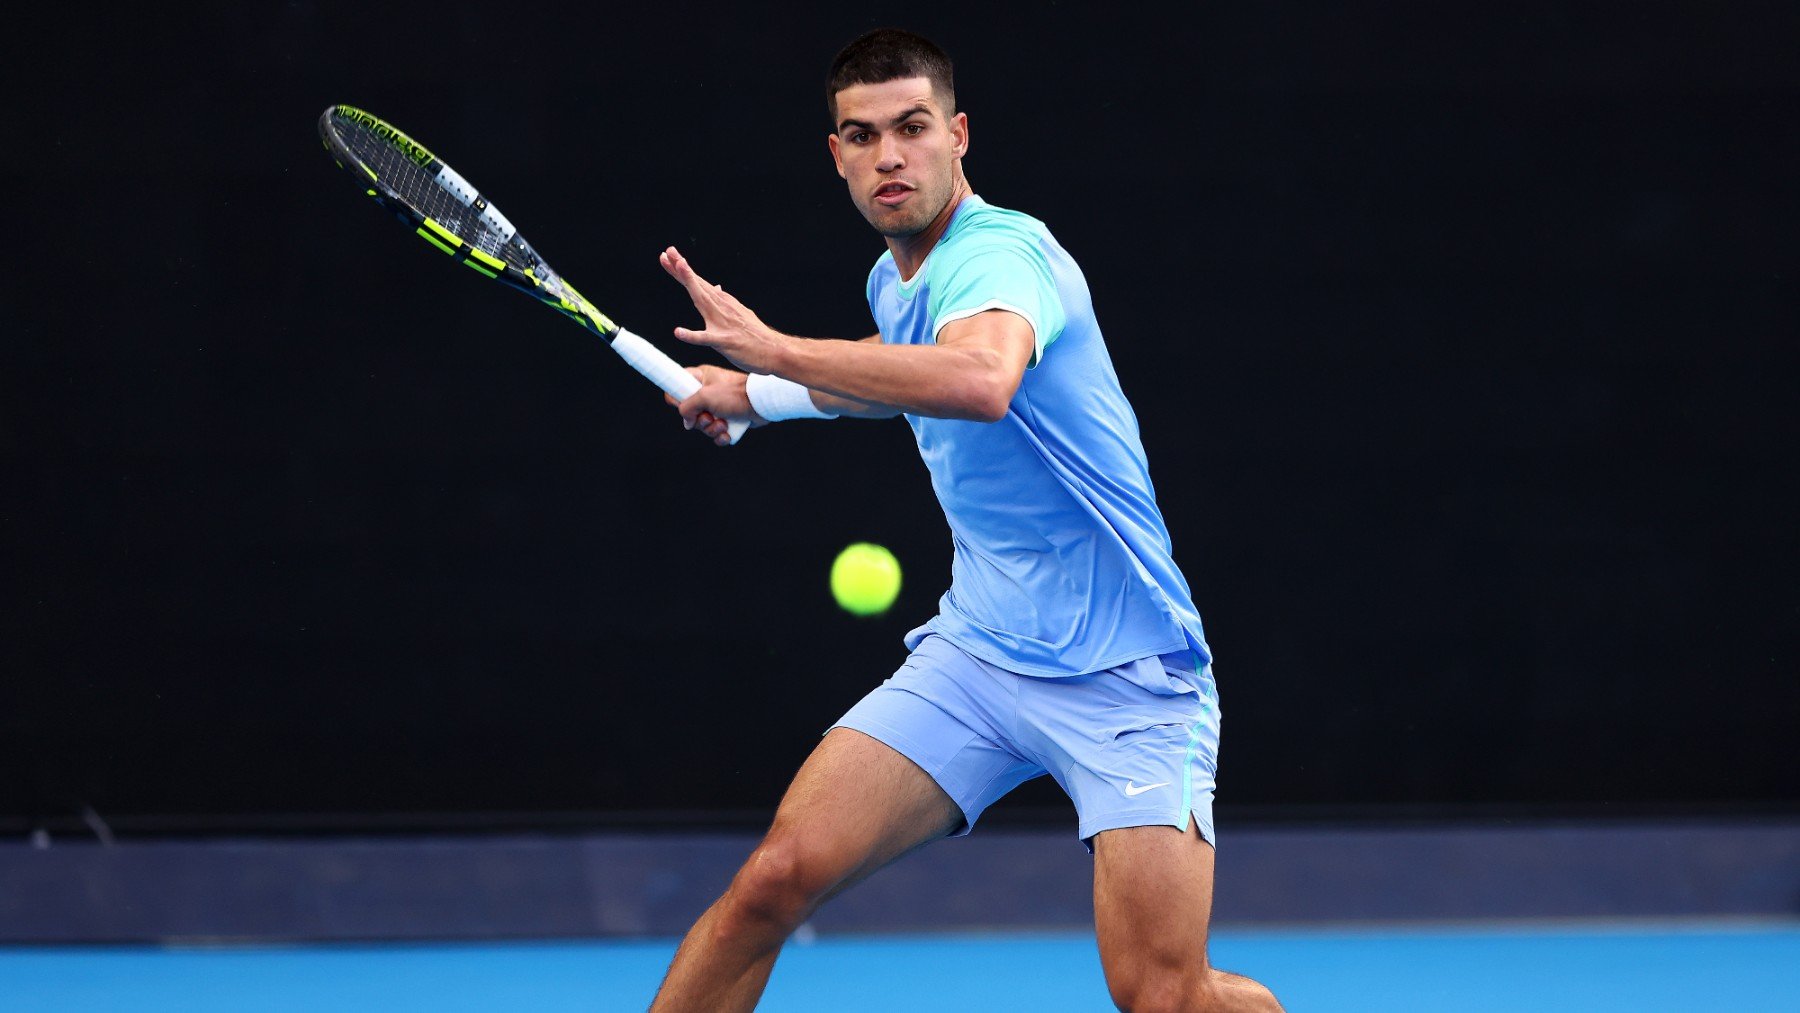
<point x="1463" y="339"/>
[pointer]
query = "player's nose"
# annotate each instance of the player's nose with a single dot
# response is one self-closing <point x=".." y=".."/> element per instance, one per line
<point x="889" y="157"/>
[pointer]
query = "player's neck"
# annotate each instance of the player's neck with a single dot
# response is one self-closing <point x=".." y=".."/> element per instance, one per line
<point x="910" y="251"/>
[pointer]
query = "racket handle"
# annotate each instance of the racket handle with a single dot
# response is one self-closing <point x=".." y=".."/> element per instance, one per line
<point x="666" y="373"/>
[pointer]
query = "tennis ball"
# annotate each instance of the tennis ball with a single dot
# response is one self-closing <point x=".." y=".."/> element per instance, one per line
<point x="865" y="579"/>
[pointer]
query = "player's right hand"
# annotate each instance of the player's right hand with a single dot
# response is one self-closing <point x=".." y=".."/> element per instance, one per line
<point x="721" y="396"/>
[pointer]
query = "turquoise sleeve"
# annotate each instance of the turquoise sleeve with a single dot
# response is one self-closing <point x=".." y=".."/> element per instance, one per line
<point x="1006" y="272"/>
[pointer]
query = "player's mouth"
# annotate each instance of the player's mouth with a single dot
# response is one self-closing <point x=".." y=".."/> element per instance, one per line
<point x="891" y="194"/>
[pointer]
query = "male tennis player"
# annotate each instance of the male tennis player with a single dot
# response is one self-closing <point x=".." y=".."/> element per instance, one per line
<point x="1068" y="642"/>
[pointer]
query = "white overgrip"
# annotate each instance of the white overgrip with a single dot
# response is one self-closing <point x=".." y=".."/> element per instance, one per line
<point x="666" y="373"/>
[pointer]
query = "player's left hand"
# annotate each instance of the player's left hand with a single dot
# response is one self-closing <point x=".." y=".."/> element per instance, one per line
<point x="731" y="328"/>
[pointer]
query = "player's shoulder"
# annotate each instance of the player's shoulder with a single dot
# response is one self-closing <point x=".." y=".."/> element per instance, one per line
<point x="979" y="223"/>
<point x="982" y="229"/>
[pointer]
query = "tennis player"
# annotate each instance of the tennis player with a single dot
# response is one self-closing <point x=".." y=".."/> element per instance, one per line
<point x="1068" y="643"/>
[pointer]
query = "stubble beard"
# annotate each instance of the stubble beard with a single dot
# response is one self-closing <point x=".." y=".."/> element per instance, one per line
<point x="923" y="209"/>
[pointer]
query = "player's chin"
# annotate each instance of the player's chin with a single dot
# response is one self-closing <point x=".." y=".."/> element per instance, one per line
<point x="893" y="225"/>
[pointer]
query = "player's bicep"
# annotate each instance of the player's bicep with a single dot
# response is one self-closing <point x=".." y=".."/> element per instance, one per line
<point x="1004" y="344"/>
<point x="1007" y="333"/>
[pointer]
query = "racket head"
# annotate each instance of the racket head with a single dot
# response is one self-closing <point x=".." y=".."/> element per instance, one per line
<point x="445" y="210"/>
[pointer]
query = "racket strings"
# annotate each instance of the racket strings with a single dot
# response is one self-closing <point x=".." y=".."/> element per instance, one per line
<point x="427" y="195"/>
<point x="422" y="191"/>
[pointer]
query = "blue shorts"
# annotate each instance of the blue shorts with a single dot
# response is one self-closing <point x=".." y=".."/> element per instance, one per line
<point x="1136" y="745"/>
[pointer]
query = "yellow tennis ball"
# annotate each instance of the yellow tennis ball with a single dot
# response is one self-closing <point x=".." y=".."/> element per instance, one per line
<point x="865" y="579"/>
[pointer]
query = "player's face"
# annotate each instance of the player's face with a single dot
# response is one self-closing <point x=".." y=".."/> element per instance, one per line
<point x="899" y="153"/>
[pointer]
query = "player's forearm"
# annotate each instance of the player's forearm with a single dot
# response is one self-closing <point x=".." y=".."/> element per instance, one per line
<point x="851" y="407"/>
<point x="873" y="380"/>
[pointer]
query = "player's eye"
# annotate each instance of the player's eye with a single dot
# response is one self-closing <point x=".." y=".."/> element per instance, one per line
<point x="860" y="137"/>
<point x="914" y="129"/>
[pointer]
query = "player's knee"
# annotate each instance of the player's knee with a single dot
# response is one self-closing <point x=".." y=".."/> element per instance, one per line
<point x="776" y="889"/>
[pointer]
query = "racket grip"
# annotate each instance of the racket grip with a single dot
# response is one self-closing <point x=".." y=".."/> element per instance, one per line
<point x="666" y="373"/>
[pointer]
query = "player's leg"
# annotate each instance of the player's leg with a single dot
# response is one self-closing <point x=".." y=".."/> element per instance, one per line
<point x="1152" y="901"/>
<point x="1136" y="746"/>
<point x="855" y="806"/>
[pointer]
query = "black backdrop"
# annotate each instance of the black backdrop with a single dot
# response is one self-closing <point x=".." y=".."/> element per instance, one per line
<point x="1463" y="339"/>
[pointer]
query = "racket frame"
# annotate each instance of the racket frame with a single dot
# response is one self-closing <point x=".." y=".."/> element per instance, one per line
<point x="536" y="279"/>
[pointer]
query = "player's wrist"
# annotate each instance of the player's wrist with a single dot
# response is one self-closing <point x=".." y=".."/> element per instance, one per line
<point x="777" y="400"/>
<point x="782" y="353"/>
<point x="741" y="381"/>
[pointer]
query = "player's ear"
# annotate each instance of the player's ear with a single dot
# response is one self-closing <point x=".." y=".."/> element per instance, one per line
<point x="837" y="158"/>
<point x="959" y="129"/>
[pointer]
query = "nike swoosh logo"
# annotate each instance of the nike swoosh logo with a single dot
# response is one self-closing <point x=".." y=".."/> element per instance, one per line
<point x="1132" y="788"/>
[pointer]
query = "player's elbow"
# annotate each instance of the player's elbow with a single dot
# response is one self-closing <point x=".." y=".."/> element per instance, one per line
<point x="1000" y="394"/>
<point x="983" y="402"/>
<point x="993" y="409"/>
<point x="988" y="392"/>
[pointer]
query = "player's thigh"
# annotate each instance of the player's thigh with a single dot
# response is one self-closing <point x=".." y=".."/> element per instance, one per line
<point x="1153" y="889"/>
<point x="855" y="805"/>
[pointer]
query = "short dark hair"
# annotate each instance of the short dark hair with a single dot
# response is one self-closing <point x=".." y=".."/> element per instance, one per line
<point x="890" y="54"/>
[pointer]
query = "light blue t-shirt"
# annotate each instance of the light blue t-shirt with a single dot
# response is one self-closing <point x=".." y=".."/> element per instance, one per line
<point x="1062" y="561"/>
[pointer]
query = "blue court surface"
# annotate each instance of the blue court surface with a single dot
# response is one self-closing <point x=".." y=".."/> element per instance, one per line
<point x="1689" y="967"/>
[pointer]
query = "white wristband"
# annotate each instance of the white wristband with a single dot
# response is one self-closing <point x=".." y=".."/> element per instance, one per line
<point x="776" y="399"/>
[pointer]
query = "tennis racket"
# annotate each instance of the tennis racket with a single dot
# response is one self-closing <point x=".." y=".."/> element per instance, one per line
<point x="450" y="214"/>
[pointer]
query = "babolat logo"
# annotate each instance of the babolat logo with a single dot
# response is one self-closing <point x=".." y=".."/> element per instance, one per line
<point x="407" y="145"/>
